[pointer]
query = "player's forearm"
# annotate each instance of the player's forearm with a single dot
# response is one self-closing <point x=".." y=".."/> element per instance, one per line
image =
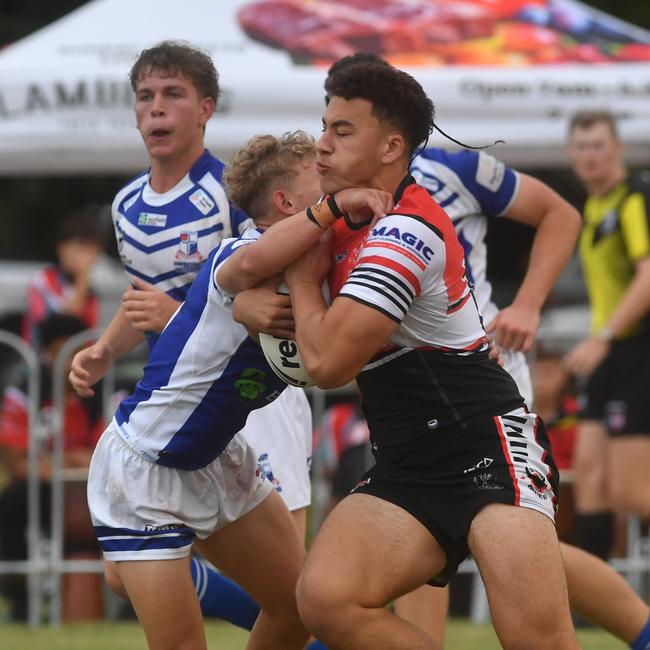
<point x="553" y="246"/>
<point x="280" y="245"/>
<point x="120" y="335"/>
<point x="634" y="304"/>
<point x="313" y="334"/>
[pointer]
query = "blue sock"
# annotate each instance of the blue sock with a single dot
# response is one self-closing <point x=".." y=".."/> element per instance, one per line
<point x="642" y="642"/>
<point x="221" y="598"/>
<point x="316" y="645"/>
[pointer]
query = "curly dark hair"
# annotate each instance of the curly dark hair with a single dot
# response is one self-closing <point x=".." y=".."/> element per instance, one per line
<point x="396" y="97"/>
<point x="173" y="57"/>
<point x="355" y="59"/>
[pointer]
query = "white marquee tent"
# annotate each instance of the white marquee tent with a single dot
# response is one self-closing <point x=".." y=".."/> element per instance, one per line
<point x="66" y="104"/>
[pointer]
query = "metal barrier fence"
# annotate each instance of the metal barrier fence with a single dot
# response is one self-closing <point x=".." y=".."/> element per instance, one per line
<point x="46" y="563"/>
<point x="33" y="567"/>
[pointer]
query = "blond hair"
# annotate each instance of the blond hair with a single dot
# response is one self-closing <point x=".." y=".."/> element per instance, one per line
<point x="262" y="163"/>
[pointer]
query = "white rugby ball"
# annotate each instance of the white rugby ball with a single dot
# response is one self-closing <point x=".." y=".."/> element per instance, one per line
<point x="284" y="357"/>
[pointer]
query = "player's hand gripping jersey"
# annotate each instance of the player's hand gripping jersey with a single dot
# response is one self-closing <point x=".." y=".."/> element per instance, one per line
<point x="203" y="378"/>
<point x="435" y="372"/>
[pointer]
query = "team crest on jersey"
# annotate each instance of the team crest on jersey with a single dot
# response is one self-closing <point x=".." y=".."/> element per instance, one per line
<point x="202" y="201"/>
<point x="249" y="386"/>
<point x="149" y="219"/>
<point x="188" y="259"/>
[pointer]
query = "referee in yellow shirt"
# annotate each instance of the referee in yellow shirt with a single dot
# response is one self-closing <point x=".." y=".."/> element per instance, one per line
<point x="612" y="458"/>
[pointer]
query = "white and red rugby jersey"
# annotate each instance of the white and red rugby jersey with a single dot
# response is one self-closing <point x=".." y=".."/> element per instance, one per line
<point x="434" y="373"/>
<point x="410" y="266"/>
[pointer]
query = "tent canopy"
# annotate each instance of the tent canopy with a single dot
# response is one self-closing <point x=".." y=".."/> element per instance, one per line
<point x="496" y="69"/>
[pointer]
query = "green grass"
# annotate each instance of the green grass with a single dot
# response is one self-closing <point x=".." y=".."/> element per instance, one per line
<point x="461" y="635"/>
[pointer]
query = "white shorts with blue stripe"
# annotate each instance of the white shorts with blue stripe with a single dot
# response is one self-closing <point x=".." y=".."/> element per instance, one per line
<point x="144" y="511"/>
<point x="281" y="433"/>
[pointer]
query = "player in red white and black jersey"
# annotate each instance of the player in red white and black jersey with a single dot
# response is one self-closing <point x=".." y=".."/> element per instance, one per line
<point x="410" y="267"/>
<point x="456" y="451"/>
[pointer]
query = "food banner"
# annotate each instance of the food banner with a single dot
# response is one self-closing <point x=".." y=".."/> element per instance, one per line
<point x="496" y="69"/>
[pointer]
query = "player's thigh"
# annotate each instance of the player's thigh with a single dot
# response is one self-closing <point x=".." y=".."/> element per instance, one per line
<point x="163" y="596"/>
<point x="299" y="517"/>
<point x="113" y="579"/>
<point x="518" y="554"/>
<point x="629" y="465"/>
<point x="368" y="552"/>
<point x="262" y="552"/>
<point x="590" y="462"/>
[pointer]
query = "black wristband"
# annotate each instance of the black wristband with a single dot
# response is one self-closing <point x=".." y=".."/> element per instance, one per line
<point x="311" y="217"/>
<point x="331" y="204"/>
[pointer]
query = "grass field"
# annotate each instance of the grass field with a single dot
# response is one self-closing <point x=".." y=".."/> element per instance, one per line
<point x="461" y="635"/>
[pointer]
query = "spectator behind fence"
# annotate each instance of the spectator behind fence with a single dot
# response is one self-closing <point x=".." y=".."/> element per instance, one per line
<point x="64" y="287"/>
<point x="612" y="459"/>
<point x="82" y="427"/>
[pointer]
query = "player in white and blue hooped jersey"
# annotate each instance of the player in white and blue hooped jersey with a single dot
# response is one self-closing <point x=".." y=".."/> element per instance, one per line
<point x="200" y="382"/>
<point x="178" y="215"/>
<point x="469" y="186"/>
<point x="164" y="238"/>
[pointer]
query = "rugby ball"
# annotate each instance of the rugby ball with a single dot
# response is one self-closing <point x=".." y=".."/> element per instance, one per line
<point x="284" y="357"/>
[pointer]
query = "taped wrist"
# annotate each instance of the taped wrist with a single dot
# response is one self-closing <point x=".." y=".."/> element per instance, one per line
<point x="324" y="213"/>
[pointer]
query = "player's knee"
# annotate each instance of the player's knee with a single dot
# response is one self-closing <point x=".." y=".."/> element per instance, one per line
<point x="321" y="605"/>
<point x="589" y="468"/>
<point x="537" y="630"/>
<point x="113" y="579"/>
<point x="628" y="498"/>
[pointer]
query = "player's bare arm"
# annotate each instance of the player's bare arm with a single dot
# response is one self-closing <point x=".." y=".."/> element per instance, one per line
<point x="635" y="303"/>
<point x="336" y="342"/>
<point x="558" y="226"/>
<point x="289" y="238"/>
<point x="148" y="308"/>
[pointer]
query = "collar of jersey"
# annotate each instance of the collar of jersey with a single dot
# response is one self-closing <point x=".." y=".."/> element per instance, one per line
<point x="399" y="192"/>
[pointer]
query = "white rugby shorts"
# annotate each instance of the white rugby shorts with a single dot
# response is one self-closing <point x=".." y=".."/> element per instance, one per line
<point x="144" y="511"/>
<point x="281" y="434"/>
<point x="515" y="363"/>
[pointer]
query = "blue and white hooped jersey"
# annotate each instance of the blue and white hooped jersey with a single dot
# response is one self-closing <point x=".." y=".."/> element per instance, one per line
<point x="164" y="239"/>
<point x="470" y="187"/>
<point x="203" y="378"/>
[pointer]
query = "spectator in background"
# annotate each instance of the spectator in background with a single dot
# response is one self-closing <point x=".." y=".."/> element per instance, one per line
<point x="342" y="449"/>
<point x="612" y="458"/>
<point x="82" y="427"/>
<point x="65" y="287"/>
